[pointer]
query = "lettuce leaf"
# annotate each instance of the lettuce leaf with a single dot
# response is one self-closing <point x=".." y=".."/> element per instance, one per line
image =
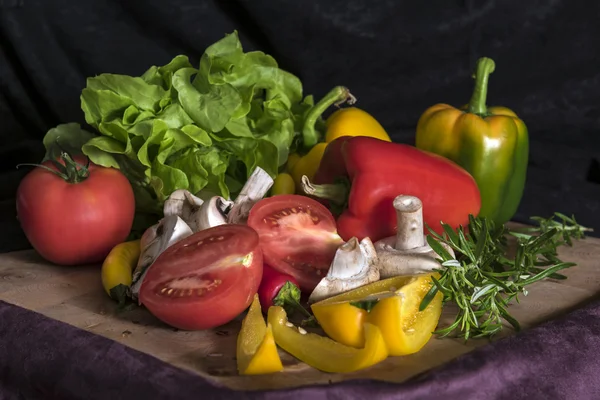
<point x="203" y="129"/>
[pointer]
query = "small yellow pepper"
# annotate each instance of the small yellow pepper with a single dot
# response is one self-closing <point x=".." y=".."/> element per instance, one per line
<point x="117" y="269"/>
<point x="256" y="349"/>
<point x="390" y="304"/>
<point x="283" y="184"/>
<point x="323" y="353"/>
<point x="349" y="121"/>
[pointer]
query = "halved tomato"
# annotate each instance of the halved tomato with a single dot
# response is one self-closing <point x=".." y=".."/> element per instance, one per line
<point x="206" y="279"/>
<point x="298" y="236"/>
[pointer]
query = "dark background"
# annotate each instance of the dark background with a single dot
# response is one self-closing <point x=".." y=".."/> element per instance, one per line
<point x="397" y="56"/>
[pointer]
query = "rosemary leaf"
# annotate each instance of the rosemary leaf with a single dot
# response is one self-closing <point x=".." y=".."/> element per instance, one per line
<point x="483" y="280"/>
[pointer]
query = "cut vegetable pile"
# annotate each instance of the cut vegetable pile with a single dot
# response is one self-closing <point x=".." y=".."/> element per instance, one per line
<point x="217" y="190"/>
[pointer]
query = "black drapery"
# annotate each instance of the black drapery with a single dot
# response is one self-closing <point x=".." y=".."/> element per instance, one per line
<point x="398" y="57"/>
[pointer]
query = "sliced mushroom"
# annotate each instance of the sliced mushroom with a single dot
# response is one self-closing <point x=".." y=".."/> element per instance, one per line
<point x="154" y="241"/>
<point x="407" y="253"/>
<point x="354" y="264"/>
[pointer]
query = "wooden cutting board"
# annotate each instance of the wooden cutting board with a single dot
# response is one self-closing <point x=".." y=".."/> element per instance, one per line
<point x="75" y="296"/>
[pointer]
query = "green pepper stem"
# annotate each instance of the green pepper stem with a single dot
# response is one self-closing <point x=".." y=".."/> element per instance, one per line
<point x="485" y="66"/>
<point x="337" y="193"/>
<point x="295" y="304"/>
<point x="338" y="95"/>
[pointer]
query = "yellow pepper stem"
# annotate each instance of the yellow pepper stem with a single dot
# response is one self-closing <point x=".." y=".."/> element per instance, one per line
<point x="485" y="66"/>
<point x="337" y="96"/>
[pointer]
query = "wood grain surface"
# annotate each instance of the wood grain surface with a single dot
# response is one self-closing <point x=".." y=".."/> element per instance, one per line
<point x="74" y="295"/>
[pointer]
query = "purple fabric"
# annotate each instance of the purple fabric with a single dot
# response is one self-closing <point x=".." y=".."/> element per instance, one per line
<point x="45" y="359"/>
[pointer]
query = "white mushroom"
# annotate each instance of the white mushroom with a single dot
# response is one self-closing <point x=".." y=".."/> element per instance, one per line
<point x="256" y="187"/>
<point x="354" y="264"/>
<point x="407" y="253"/>
<point x="218" y="211"/>
<point x="182" y="203"/>
<point x="212" y="213"/>
<point x="154" y="241"/>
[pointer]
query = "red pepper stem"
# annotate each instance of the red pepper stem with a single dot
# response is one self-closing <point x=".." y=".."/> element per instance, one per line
<point x="485" y="66"/>
<point x="338" y="95"/>
<point x="336" y="193"/>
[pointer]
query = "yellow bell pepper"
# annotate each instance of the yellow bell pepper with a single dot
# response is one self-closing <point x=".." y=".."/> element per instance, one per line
<point x="117" y="269"/>
<point x="390" y="304"/>
<point x="256" y="349"/>
<point x="352" y="121"/>
<point x="307" y="165"/>
<point x="323" y="353"/>
<point x="349" y="121"/>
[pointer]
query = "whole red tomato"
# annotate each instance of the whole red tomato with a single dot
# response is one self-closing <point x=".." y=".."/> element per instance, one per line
<point x="73" y="215"/>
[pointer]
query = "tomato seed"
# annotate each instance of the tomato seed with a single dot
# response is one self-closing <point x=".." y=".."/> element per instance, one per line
<point x="284" y="213"/>
<point x="302" y="330"/>
<point x="289" y="324"/>
<point x="200" y="243"/>
<point x="169" y="292"/>
<point x="294" y="210"/>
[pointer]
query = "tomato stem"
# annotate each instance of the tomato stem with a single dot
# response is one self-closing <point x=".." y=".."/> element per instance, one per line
<point x="71" y="171"/>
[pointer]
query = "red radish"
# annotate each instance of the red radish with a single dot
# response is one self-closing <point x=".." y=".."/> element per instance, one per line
<point x="278" y="289"/>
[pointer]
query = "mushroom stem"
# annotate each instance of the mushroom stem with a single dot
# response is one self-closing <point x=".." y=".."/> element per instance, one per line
<point x="409" y="216"/>
<point x="407" y="253"/>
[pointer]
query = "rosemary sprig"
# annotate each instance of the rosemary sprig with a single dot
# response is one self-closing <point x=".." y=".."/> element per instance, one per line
<point x="483" y="280"/>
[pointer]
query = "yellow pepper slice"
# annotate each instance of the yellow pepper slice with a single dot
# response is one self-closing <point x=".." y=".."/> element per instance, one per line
<point x="323" y="353"/>
<point x="256" y="349"/>
<point x="390" y="304"/>
<point x="117" y="269"/>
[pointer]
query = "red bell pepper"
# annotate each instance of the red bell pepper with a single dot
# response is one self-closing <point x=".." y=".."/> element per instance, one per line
<point x="361" y="176"/>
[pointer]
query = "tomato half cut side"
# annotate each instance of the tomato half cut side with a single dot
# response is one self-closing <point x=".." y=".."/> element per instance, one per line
<point x="206" y="279"/>
<point x="298" y="236"/>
